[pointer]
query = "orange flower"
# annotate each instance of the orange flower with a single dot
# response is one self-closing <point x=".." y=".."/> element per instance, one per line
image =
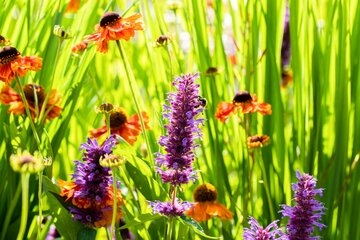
<point x="11" y="63"/>
<point x="104" y="208"/>
<point x="205" y="206"/>
<point x="257" y="141"/>
<point x="113" y="27"/>
<point x="73" y="6"/>
<point x="225" y="110"/>
<point x="10" y="97"/>
<point x="243" y="100"/>
<point x="120" y="124"/>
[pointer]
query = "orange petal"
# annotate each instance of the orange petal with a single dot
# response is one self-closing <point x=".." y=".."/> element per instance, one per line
<point x="73" y="6"/>
<point x="224" y="111"/>
<point x="198" y="212"/>
<point x="98" y="132"/>
<point x="216" y="209"/>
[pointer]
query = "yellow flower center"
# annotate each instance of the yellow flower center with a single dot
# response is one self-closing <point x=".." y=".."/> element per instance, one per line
<point x="8" y="54"/>
<point x="109" y="18"/>
<point x="32" y="90"/>
<point x="205" y="193"/>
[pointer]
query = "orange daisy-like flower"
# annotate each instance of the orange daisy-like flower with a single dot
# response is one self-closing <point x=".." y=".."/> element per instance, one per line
<point x="113" y="27"/>
<point x="102" y="209"/>
<point x="120" y="124"/>
<point x="243" y="101"/>
<point x="206" y="206"/>
<point x="10" y="97"/>
<point x="11" y="63"/>
<point x="257" y="141"/>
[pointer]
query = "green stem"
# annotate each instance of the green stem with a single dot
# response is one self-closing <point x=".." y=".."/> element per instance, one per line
<point x="40" y="203"/>
<point x="25" y="206"/>
<point x="112" y="231"/>
<point x="10" y="211"/>
<point x="43" y="114"/>
<point x="130" y="78"/>
<point x="107" y="118"/>
<point x="27" y="110"/>
<point x="170" y="227"/>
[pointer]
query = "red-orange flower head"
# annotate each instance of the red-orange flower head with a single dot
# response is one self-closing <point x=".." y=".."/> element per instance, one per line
<point x="244" y="101"/>
<point x="257" y="141"/>
<point x="33" y="93"/>
<point x="73" y="6"/>
<point x="113" y="27"/>
<point x="12" y="64"/>
<point x="206" y="206"/>
<point x="120" y="124"/>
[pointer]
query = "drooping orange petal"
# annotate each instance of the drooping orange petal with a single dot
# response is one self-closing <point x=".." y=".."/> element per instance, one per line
<point x="215" y="209"/>
<point x="6" y="73"/>
<point x="198" y="212"/>
<point x="98" y="132"/>
<point x="80" y="47"/>
<point x="67" y="189"/>
<point x="225" y="110"/>
<point x="132" y="129"/>
<point x="264" y="108"/>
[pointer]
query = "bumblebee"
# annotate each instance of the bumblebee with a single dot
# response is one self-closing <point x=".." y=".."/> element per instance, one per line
<point x="202" y="102"/>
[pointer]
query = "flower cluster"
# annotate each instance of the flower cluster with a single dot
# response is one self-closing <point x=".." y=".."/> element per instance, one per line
<point x="243" y="101"/>
<point x="92" y="194"/>
<point x="182" y="130"/>
<point x="307" y="212"/>
<point x="257" y="232"/>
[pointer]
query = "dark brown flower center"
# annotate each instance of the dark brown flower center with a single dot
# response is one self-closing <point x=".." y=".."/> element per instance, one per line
<point x="8" y="54"/>
<point x="109" y="18"/>
<point x="258" y="138"/>
<point x="205" y="193"/>
<point x="241" y="97"/>
<point x="33" y="90"/>
<point x="117" y="119"/>
<point x="2" y="38"/>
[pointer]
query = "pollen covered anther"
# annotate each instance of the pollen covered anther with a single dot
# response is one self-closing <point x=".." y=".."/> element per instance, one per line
<point x="241" y="97"/>
<point x="109" y="18"/>
<point x="205" y="193"/>
<point x="8" y="54"/>
<point x="117" y="119"/>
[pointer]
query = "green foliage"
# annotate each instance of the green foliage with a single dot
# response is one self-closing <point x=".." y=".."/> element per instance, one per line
<point x="313" y="126"/>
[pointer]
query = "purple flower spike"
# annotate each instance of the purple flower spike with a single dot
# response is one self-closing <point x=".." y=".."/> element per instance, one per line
<point x="169" y="209"/>
<point x="257" y="232"/>
<point x="307" y="212"/>
<point x="286" y="45"/>
<point x="182" y="130"/>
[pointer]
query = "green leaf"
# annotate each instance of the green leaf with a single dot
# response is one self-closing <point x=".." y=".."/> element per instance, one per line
<point x="195" y="226"/>
<point x="140" y="220"/>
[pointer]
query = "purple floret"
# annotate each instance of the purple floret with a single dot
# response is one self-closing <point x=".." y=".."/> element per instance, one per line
<point x="169" y="209"/>
<point x="307" y="213"/>
<point x="257" y="232"/>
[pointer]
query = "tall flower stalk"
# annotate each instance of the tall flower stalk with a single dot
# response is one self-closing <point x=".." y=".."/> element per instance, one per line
<point x="179" y="143"/>
<point x="307" y="213"/>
